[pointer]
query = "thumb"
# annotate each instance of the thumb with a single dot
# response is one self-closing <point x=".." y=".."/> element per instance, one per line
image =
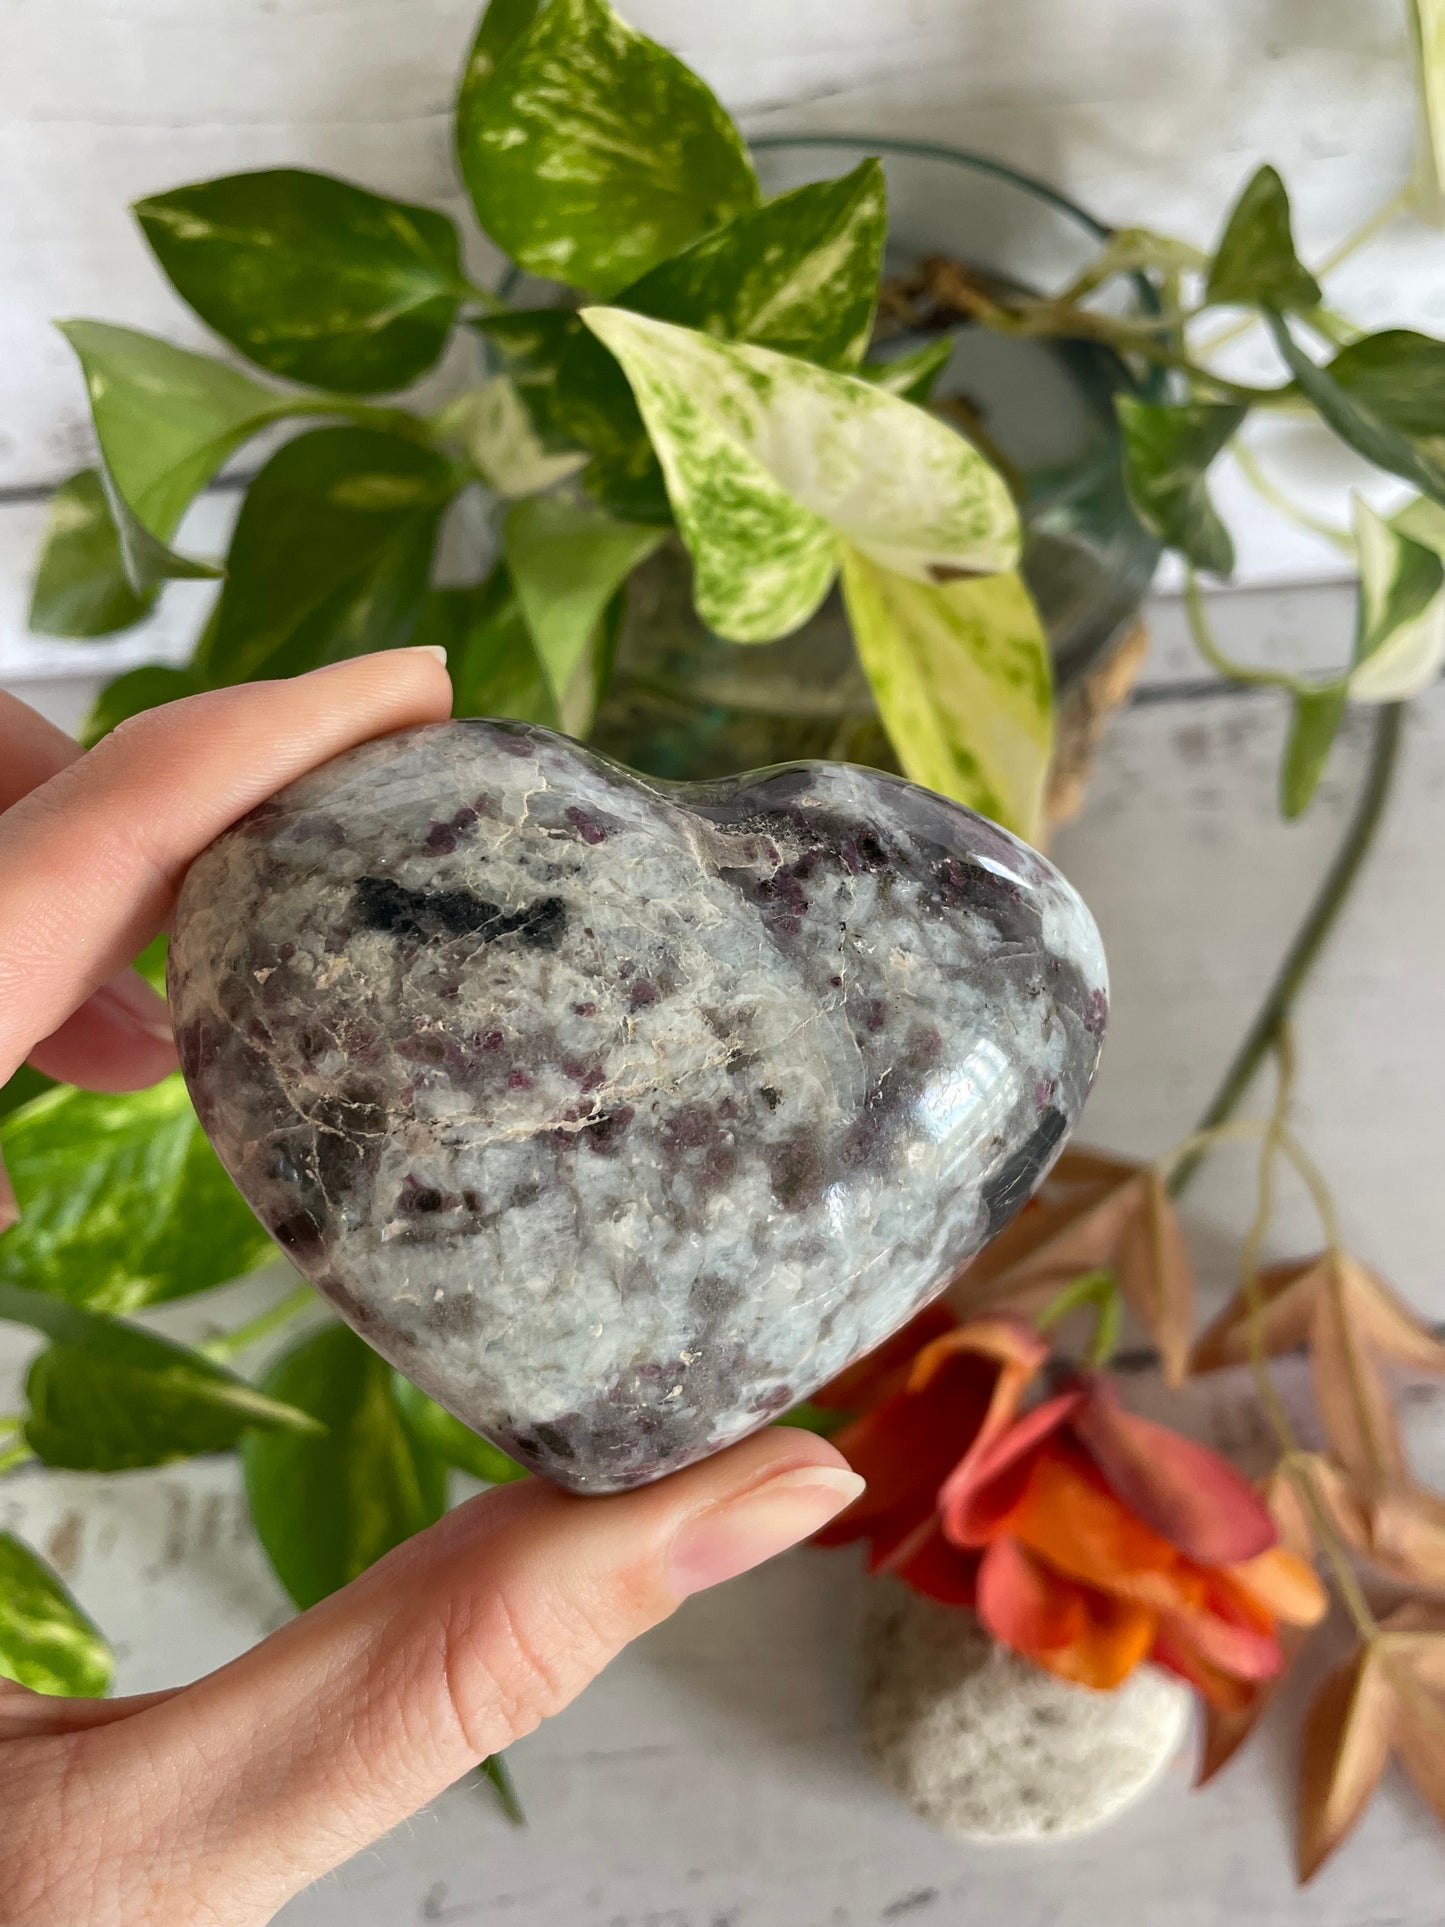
<point x="307" y="1748"/>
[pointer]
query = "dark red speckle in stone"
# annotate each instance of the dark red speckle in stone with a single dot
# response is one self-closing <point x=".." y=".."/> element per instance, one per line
<point x="518" y="1080"/>
<point x="1044" y="1092"/>
<point x="587" y="827"/>
<point x="1096" y="1013"/>
<point x="643" y="993"/>
<point x="585" y="1010"/>
<point x="490" y="1040"/>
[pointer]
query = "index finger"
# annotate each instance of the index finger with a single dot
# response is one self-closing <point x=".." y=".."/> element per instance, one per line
<point x="90" y="862"/>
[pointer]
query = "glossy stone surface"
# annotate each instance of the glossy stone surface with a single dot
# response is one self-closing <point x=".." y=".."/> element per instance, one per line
<point x="621" y="1116"/>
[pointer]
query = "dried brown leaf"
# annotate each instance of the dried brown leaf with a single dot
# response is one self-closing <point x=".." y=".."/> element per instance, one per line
<point x="1156" y="1277"/>
<point x="1286" y="1293"/>
<point x="1347" y="1737"/>
<point x="1070" y="1226"/>
<point x="1094" y="1212"/>
<point x="1400" y="1531"/>
<point x="1351" y="1396"/>
<point x="1385" y="1321"/>
<point x="1352" y="1322"/>
<point x="1413" y="1652"/>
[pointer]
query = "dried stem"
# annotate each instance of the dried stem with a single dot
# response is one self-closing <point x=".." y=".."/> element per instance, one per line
<point x="1292" y="1454"/>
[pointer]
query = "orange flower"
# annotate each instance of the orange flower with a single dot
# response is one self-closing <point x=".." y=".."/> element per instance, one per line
<point x="1086" y="1537"/>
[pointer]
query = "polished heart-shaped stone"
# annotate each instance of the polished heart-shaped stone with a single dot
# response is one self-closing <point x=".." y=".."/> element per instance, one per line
<point x="621" y="1115"/>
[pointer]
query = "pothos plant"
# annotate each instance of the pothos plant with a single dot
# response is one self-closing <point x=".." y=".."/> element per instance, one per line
<point x="696" y="363"/>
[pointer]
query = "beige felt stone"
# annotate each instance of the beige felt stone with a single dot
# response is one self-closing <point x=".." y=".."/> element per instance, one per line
<point x="985" y="1746"/>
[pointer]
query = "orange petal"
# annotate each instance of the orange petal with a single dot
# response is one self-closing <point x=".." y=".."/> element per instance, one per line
<point x="1192" y="1497"/>
<point x="1283" y="1585"/>
<point x="869" y="1378"/>
<point x="1234" y="1704"/>
<point x="988" y="1483"/>
<point x="1066" y="1512"/>
<point x="1069" y="1629"/>
<point x="930" y="1565"/>
<point x="1227" y="1630"/>
<point x="1016" y="1347"/>
<point x="907" y="1446"/>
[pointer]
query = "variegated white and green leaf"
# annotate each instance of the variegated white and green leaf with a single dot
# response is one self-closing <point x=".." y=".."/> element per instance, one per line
<point x="591" y="153"/>
<point x="771" y="463"/>
<point x="495" y="427"/>
<point x="799" y="275"/>
<point x="962" y="677"/>
<point x="567" y="561"/>
<point x="1400" y="633"/>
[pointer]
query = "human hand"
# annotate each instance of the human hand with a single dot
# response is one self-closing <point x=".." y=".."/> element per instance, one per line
<point x="209" y="1805"/>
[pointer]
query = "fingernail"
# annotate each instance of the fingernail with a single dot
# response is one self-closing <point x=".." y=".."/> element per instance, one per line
<point x="742" y="1532"/>
<point x="130" y="1000"/>
<point x="430" y="649"/>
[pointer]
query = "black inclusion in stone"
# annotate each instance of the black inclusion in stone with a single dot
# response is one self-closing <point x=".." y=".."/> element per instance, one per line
<point x="422" y="915"/>
<point x="1011" y="1185"/>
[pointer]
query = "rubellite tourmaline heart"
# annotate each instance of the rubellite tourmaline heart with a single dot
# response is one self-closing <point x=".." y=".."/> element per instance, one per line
<point x="621" y="1115"/>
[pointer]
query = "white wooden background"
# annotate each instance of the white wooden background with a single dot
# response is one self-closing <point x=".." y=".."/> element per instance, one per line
<point x="712" y="1778"/>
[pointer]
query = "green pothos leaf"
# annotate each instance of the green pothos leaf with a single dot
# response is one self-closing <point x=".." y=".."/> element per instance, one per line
<point x="1399" y="376"/>
<point x="591" y="153"/>
<point x="123" y="1201"/>
<point x="1315" y="720"/>
<point x="456" y="1444"/>
<point x="1255" y="263"/>
<point x="1358" y="422"/>
<point x="166" y="419"/>
<point x="330" y="556"/>
<point x="46" y="1642"/>
<point x="913" y="374"/>
<point x="494" y="665"/>
<point x="1400" y="630"/>
<point x="567" y="562"/>
<point x="81" y="585"/>
<point x="312" y="278"/>
<point x="799" y="274"/>
<point x="773" y="463"/>
<point x="134" y="692"/>
<point x="1167" y="453"/>
<point x="496" y="428"/>
<point x="329" y="1504"/>
<point x="962" y="677"/>
<point x="105" y="1396"/>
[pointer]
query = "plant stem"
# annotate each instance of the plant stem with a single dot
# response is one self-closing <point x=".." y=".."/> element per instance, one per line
<point x="1310" y="938"/>
<point x="1101" y="1290"/>
<point x="1269" y="491"/>
<point x="273" y="1319"/>
<point x="1226" y="666"/>
<point x="13" y="1455"/>
<point x="1292" y="1454"/>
